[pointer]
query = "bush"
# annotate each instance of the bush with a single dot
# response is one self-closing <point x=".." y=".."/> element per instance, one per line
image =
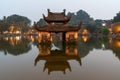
<point x="104" y="31"/>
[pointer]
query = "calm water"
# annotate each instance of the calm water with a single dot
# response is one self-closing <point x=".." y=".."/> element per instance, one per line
<point x="23" y="58"/>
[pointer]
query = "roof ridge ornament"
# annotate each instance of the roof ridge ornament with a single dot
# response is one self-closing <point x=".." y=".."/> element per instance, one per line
<point x="64" y="10"/>
<point x="48" y="10"/>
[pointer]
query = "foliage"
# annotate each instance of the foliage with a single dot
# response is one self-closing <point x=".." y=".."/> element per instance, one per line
<point x="92" y="28"/>
<point x="117" y="18"/>
<point x="116" y="24"/>
<point x="16" y="20"/>
<point x="105" y="40"/>
<point x="98" y="22"/>
<point x="80" y="16"/>
<point x="21" y="47"/>
<point x="19" y="21"/>
<point x="104" y="31"/>
<point x="41" y="22"/>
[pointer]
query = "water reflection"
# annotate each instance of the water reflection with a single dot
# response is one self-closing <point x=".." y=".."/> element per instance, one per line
<point x="94" y="59"/>
<point x="114" y="45"/>
<point x="14" y="45"/>
<point x="20" y="45"/>
<point x="85" y="38"/>
<point x="57" y="60"/>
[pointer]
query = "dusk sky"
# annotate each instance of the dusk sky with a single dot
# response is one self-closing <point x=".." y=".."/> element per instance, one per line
<point x="33" y="9"/>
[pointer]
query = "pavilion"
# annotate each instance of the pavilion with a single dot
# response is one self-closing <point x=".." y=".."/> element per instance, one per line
<point x="58" y="23"/>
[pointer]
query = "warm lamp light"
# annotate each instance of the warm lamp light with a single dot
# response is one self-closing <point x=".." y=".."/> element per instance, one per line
<point x="117" y="44"/>
<point x="84" y="38"/>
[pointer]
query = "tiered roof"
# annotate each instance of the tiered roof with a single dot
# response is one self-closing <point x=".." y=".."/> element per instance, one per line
<point x="58" y="28"/>
<point x="56" y="17"/>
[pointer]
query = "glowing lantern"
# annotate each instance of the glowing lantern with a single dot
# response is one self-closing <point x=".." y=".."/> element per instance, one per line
<point x="110" y="30"/>
<point x="117" y="28"/>
<point x="117" y="43"/>
<point x="51" y="39"/>
<point x="85" y="31"/>
<point x="11" y="28"/>
<point x="84" y="38"/>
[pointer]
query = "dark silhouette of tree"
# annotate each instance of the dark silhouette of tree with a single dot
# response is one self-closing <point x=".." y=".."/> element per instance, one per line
<point x="98" y="22"/>
<point x="21" y="48"/>
<point x="92" y="28"/>
<point x="117" y="18"/>
<point x="16" y="20"/>
<point x="19" y="21"/>
<point x="104" y="31"/>
<point x="41" y="22"/>
<point x="80" y="16"/>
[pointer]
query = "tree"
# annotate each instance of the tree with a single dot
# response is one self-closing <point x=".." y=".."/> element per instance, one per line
<point x="81" y="16"/>
<point x="117" y="18"/>
<point x="92" y="28"/>
<point x="98" y="22"/>
<point x="104" y="31"/>
<point x="41" y="22"/>
<point x="3" y="24"/>
<point x="16" y="20"/>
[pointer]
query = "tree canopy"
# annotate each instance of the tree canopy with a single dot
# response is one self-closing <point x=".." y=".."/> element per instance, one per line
<point x="41" y="22"/>
<point x="80" y="16"/>
<point x="16" y="20"/>
<point x="117" y="18"/>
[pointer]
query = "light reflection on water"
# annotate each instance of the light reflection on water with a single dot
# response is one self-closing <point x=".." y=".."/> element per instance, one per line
<point x="25" y="59"/>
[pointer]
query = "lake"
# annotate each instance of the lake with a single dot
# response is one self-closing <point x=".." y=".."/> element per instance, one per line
<point x="23" y="58"/>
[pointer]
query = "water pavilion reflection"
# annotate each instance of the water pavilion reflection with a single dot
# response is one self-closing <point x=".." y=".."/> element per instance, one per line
<point x="57" y="60"/>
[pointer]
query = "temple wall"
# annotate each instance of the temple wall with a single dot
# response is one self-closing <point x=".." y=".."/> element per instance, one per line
<point x="71" y="36"/>
<point x="43" y="36"/>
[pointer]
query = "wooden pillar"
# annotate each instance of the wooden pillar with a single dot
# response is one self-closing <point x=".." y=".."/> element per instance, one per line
<point x="64" y="36"/>
<point x="64" y="41"/>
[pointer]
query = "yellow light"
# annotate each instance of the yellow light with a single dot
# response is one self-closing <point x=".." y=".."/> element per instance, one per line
<point x="71" y="51"/>
<point x="6" y="38"/>
<point x="110" y="30"/>
<point x="51" y="39"/>
<point x="110" y="40"/>
<point x="71" y="35"/>
<point x="32" y="38"/>
<point x="117" y="29"/>
<point x="117" y="44"/>
<point x="11" y="41"/>
<point x="11" y="28"/>
<point x="17" y="32"/>
<point x="5" y="32"/>
<point x="84" y="38"/>
<point x="85" y="31"/>
<point x="17" y="38"/>
<point x="76" y="35"/>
